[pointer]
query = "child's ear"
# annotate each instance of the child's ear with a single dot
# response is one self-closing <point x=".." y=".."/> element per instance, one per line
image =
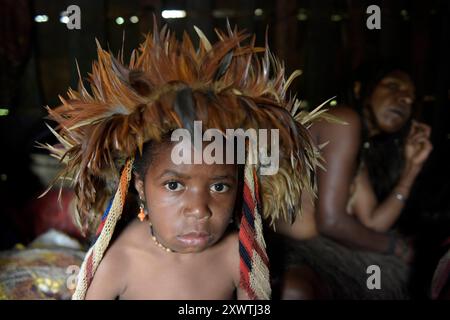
<point x="139" y="185"/>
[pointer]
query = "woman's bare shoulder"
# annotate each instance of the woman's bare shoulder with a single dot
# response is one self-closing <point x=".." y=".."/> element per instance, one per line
<point x="349" y="130"/>
<point x="347" y="114"/>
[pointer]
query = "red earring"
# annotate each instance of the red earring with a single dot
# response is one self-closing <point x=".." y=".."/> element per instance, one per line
<point x="141" y="214"/>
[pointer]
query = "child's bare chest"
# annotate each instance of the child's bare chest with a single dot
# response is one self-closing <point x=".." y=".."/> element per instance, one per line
<point x="185" y="280"/>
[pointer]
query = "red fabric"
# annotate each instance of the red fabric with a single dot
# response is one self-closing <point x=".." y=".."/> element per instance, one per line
<point x="247" y="237"/>
<point x="89" y="271"/>
<point x="47" y="213"/>
<point x="100" y="228"/>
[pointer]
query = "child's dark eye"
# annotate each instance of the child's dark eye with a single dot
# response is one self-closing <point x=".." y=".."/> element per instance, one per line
<point x="219" y="187"/>
<point x="174" y="186"/>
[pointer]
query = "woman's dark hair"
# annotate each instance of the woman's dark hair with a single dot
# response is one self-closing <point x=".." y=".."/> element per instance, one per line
<point x="368" y="75"/>
<point x="382" y="154"/>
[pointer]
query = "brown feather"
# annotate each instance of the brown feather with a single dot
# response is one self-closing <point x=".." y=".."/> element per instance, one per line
<point x="168" y="84"/>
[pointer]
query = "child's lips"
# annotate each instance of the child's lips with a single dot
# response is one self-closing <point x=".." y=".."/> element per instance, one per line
<point x="194" y="238"/>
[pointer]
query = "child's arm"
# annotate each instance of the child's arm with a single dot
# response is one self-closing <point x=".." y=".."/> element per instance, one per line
<point x="108" y="282"/>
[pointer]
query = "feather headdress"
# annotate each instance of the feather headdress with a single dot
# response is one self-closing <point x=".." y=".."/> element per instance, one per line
<point x="168" y="84"/>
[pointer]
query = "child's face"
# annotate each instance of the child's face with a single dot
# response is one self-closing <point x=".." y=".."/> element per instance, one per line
<point x="189" y="205"/>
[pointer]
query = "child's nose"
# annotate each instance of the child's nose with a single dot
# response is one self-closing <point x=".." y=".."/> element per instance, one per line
<point x="197" y="207"/>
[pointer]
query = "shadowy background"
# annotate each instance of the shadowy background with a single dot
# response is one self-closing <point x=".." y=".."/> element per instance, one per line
<point x="326" y="39"/>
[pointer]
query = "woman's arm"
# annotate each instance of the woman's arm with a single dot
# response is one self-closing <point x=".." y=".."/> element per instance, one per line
<point x="340" y="157"/>
<point x="381" y="216"/>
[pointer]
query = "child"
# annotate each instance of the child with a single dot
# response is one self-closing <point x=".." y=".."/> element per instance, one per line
<point x="189" y="207"/>
<point x="181" y="248"/>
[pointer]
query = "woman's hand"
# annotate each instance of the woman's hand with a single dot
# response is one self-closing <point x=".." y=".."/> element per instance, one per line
<point x="418" y="146"/>
<point x="417" y="149"/>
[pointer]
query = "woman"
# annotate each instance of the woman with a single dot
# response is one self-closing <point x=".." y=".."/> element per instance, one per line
<point x="371" y="164"/>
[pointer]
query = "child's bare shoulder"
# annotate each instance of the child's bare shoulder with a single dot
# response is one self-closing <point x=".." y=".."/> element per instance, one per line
<point x="230" y="251"/>
<point x="113" y="263"/>
<point x="109" y="280"/>
<point x="121" y="250"/>
<point x="116" y="257"/>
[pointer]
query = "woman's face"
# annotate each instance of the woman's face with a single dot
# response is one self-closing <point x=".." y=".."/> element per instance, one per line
<point x="189" y="205"/>
<point x="391" y="102"/>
